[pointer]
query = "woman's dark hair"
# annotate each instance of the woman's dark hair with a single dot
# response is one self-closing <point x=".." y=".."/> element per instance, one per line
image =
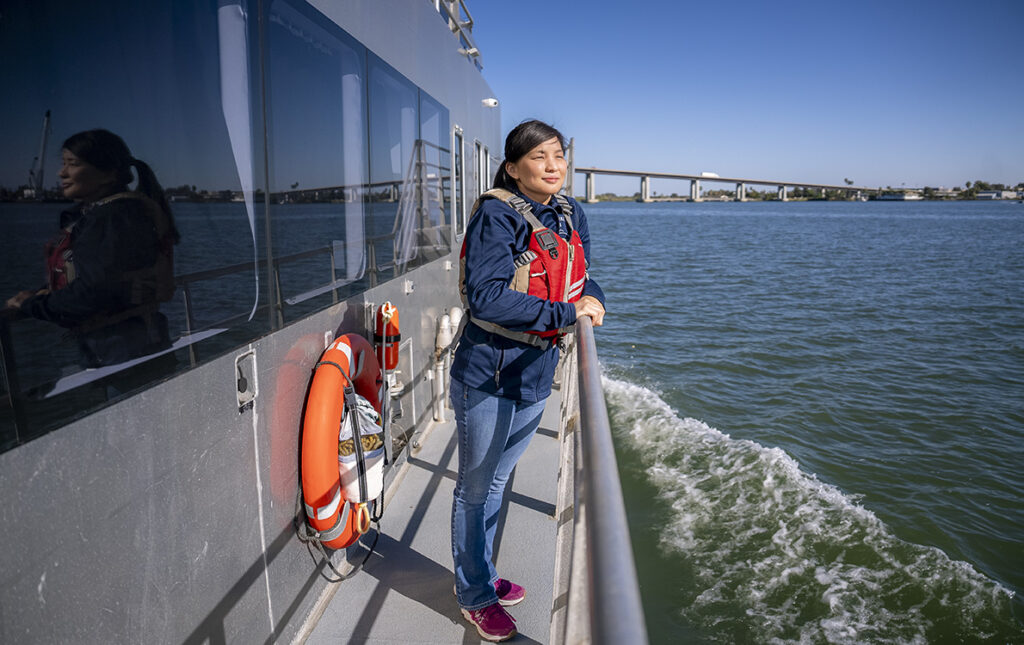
<point x="524" y="137"/>
<point x="108" y="152"/>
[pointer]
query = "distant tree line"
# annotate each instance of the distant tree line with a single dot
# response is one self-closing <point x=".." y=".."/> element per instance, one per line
<point x="972" y="189"/>
<point x="969" y="191"/>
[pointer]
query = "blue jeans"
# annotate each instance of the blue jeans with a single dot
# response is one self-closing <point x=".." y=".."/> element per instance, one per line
<point x="493" y="435"/>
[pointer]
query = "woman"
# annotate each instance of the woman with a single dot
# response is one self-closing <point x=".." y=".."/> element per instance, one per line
<point x="112" y="262"/>
<point x="525" y="256"/>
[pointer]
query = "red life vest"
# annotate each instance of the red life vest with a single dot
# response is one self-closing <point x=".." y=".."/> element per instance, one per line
<point x="551" y="268"/>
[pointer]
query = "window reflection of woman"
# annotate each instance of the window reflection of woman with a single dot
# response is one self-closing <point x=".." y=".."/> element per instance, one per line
<point x="112" y="262"/>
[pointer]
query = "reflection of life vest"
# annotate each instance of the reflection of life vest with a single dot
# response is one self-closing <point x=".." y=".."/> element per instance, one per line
<point x="551" y="268"/>
<point x="149" y="284"/>
<point x="60" y="265"/>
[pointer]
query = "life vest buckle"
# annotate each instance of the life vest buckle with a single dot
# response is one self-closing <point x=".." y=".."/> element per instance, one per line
<point x="548" y="241"/>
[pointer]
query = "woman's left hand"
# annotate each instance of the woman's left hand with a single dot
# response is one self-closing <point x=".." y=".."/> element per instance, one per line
<point x="15" y="301"/>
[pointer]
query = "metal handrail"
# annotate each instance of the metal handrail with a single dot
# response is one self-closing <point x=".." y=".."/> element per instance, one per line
<point x="613" y="593"/>
<point x="453" y="10"/>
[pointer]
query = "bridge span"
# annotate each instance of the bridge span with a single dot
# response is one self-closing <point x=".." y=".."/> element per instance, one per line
<point x="858" y="192"/>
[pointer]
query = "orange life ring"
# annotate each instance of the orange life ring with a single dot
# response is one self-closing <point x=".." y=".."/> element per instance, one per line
<point x="337" y="521"/>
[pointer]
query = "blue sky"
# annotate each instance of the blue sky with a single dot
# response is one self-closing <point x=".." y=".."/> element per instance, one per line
<point x="884" y="93"/>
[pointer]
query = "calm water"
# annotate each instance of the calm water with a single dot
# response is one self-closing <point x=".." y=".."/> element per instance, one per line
<point x="819" y="410"/>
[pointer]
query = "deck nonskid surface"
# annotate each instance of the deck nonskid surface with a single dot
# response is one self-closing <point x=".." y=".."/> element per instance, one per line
<point x="404" y="592"/>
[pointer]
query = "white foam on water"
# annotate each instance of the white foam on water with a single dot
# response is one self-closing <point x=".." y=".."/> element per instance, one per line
<point x="779" y="556"/>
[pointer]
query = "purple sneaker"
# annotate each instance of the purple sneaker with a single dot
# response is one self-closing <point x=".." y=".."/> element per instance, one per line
<point x="493" y="623"/>
<point x="509" y="593"/>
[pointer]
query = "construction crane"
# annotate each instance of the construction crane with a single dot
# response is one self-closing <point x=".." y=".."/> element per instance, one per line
<point x="36" y="172"/>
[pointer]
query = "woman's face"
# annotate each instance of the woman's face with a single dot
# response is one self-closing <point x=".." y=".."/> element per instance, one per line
<point x="541" y="171"/>
<point x="84" y="182"/>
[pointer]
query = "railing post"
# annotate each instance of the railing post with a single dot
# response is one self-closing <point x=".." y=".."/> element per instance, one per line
<point x="334" y="276"/>
<point x="186" y="294"/>
<point x="279" y="299"/>
<point x="371" y="261"/>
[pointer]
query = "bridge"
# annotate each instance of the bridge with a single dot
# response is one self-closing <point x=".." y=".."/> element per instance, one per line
<point x="857" y="192"/>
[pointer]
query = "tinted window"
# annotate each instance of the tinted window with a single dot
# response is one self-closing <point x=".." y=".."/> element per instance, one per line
<point x="394" y="129"/>
<point x="317" y="141"/>
<point x="358" y="187"/>
<point x="409" y="167"/>
<point x="433" y="159"/>
<point x="151" y="74"/>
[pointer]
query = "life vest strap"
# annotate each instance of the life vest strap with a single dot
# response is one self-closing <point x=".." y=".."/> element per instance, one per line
<point x="520" y="336"/>
<point x="525" y="259"/>
<point x="517" y="203"/>
<point x="566" y="207"/>
<point x="522" y="207"/>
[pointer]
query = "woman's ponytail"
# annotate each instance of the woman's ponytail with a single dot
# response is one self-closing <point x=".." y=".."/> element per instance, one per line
<point x="150" y="187"/>
<point x="502" y="179"/>
<point x="107" y="151"/>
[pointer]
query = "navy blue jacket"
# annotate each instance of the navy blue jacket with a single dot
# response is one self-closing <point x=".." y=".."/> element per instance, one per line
<point x="491" y="363"/>
<point x="109" y="241"/>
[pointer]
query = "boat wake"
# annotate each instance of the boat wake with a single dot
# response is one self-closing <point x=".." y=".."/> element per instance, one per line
<point x="775" y="555"/>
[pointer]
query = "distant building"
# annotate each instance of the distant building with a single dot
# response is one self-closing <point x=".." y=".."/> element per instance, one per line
<point x="996" y="194"/>
<point x="901" y="195"/>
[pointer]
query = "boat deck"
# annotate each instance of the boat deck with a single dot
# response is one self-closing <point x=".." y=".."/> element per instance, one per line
<point x="404" y="594"/>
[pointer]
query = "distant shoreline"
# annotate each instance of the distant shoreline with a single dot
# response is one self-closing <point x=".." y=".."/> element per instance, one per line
<point x="621" y="198"/>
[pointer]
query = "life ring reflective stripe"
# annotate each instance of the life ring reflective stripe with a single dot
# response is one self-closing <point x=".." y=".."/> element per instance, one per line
<point x="348" y="361"/>
<point x="326" y="512"/>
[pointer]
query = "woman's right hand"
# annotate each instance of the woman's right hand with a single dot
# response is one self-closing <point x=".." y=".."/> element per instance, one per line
<point x="590" y="306"/>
